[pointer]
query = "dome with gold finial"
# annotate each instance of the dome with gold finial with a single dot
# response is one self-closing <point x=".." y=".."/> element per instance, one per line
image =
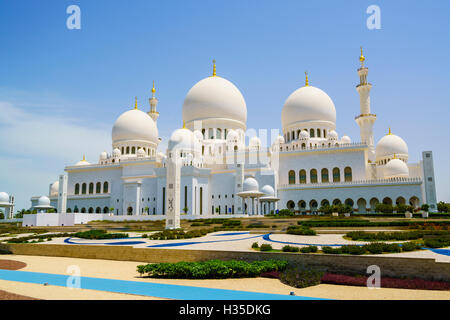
<point x="391" y="145"/>
<point x="216" y="102"/>
<point x="82" y="162"/>
<point x="308" y="106"/>
<point x="135" y="126"/>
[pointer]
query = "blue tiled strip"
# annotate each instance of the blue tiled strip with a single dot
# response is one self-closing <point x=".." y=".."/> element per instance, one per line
<point x="168" y="291"/>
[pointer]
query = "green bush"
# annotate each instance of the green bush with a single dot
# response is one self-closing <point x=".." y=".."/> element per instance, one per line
<point x="255" y="245"/>
<point x="301" y="277"/>
<point x="179" y="234"/>
<point x="392" y="236"/>
<point x="212" y="269"/>
<point x="285" y="212"/>
<point x="300" y="230"/>
<point x="308" y="249"/>
<point x="353" y="249"/>
<point x="99" y="234"/>
<point x="289" y="248"/>
<point x="437" y="243"/>
<point x="410" y="246"/>
<point x="265" y="247"/>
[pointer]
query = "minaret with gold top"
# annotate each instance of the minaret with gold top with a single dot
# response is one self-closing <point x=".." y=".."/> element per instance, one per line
<point x="366" y="119"/>
<point x="153" y="103"/>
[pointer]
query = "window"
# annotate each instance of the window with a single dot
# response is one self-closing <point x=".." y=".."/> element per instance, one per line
<point x="105" y="187"/>
<point x="302" y="176"/>
<point x="313" y="176"/>
<point x="292" y="177"/>
<point x="311" y="133"/>
<point x="348" y="174"/>
<point x="336" y="175"/>
<point x="318" y="133"/>
<point x="91" y="188"/>
<point x="83" y="188"/>
<point x="77" y="188"/>
<point x="325" y="175"/>
<point x="128" y="150"/>
<point x="98" y="187"/>
<point x="133" y="150"/>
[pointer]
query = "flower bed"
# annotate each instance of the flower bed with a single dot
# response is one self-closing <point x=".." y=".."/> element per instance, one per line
<point x="386" y="282"/>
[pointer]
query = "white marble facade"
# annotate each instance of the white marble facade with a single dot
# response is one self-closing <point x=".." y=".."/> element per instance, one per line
<point x="307" y="166"/>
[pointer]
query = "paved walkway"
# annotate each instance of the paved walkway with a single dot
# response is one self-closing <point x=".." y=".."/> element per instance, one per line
<point x="168" y="291"/>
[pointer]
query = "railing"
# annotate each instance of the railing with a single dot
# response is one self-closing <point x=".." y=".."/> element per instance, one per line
<point x="319" y="147"/>
<point x="351" y="183"/>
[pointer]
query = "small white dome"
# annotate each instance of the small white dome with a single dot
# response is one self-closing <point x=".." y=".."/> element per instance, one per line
<point x="54" y="189"/>
<point x="250" y="184"/>
<point x="215" y="98"/>
<point x="279" y="140"/>
<point x="82" y="162"/>
<point x="232" y="136"/>
<point x="346" y="140"/>
<point x="117" y="152"/>
<point x="161" y="155"/>
<point x="198" y="135"/>
<point x="391" y="145"/>
<point x="304" y="135"/>
<point x="308" y="104"/>
<point x="140" y="153"/>
<point x="103" y="155"/>
<point x="183" y="139"/>
<point x="44" y="201"/>
<point x="268" y="190"/>
<point x="396" y="168"/>
<point x="332" y="135"/>
<point x="135" y="125"/>
<point x="254" y="142"/>
<point x="4" y="197"/>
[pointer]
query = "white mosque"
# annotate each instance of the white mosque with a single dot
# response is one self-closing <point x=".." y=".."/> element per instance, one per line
<point x="208" y="168"/>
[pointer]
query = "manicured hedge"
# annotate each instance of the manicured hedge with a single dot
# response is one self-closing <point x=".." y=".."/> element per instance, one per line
<point x="212" y="269"/>
<point x="100" y="234"/>
<point x="373" y="248"/>
<point x="39" y="238"/>
<point x="301" y="277"/>
<point x="366" y="223"/>
<point x="300" y="230"/>
<point x="437" y="243"/>
<point x="265" y="247"/>
<point x="179" y="234"/>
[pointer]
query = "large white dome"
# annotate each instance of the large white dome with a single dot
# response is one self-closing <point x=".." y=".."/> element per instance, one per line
<point x="135" y="125"/>
<point x="44" y="201"/>
<point x="308" y="104"/>
<point x="214" y="98"/>
<point x="391" y="145"/>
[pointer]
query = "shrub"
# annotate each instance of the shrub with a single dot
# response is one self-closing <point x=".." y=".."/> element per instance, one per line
<point x="255" y="245"/>
<point x="353" y="249"/>
<point x="410" y="246"/>
<point x="308" y="249"/>
<point x="301" y="277"/>
<point x="99" y="234"/>
<point x="374" y="248"/>
<point x="330" y="250"/>
<point x="437" y="243"/>
<point x="265" y="247"/>
<point x="285" y="212"/>
<point x="301" y="230"/>
<point x="288" y="248"/>
<point x="212" y="269"/>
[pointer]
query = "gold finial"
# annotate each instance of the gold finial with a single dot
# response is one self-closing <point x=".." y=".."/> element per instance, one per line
<point x="135" y="103"/>
<point x="362" y="58"/>
<point x="389" y="133"/>
<point x="395" y="156"/>
<point x="184" y="124"/>
<point x="84" y="158"/>
<point x="153" y="89"/>
<point x="214" y="68"/>
<point x="306" y="79"/>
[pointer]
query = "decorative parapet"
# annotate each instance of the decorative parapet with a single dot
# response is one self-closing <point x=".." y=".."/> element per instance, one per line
<point x="381" y="182"/>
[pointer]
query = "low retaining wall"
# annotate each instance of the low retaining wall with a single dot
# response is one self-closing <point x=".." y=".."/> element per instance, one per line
<point x="390" y="266"/>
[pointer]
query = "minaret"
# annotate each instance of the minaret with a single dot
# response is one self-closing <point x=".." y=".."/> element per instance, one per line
<point x="153" y="103"/>
<point x="366" y="119"/>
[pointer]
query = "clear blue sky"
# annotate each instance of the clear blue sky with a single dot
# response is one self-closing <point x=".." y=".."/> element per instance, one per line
<point x="61" y="90"/>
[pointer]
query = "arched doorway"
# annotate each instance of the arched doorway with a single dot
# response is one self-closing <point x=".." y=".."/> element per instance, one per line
<point x="336" y="202"/>
<point x="130" y="211"/>
<point x="415" y="202"/>
<point x="373" y="203"/>
<point x="361" y="203"/>
<point x="290" y="205"/>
